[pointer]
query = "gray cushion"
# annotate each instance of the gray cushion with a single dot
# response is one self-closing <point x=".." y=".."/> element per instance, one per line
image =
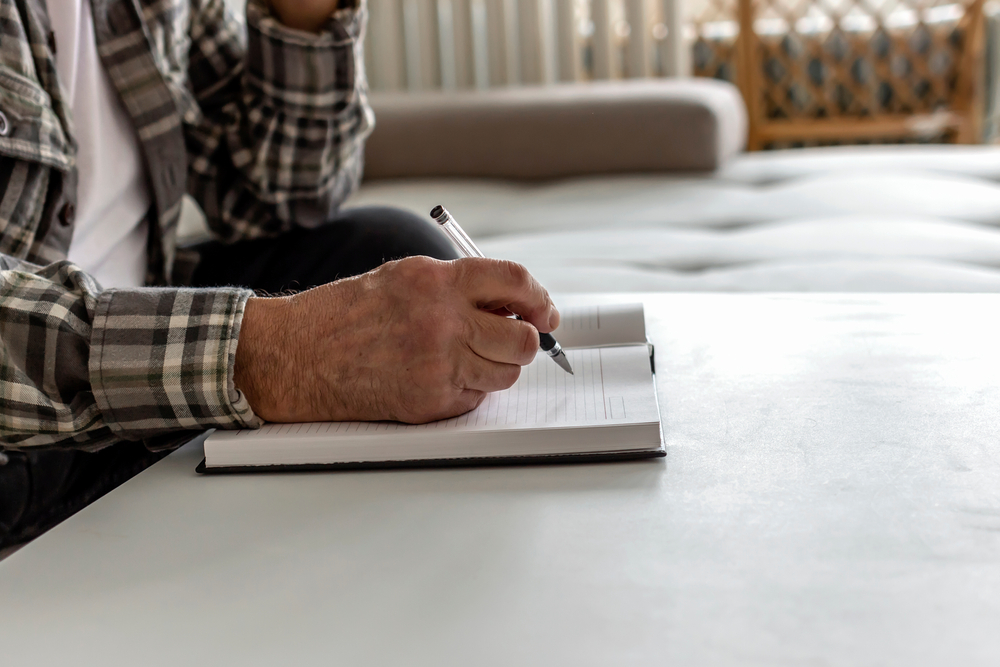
<point x="557" y="131"/>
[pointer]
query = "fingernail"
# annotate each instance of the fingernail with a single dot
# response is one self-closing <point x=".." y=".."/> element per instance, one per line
<point x="553" y="317"/>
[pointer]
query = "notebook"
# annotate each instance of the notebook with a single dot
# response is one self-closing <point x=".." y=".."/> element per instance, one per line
<point x="607" y="411"/>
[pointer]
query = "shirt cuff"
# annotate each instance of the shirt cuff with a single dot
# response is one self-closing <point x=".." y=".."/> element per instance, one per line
<point x="162" y="360"/>
<point x="310" y="74"/>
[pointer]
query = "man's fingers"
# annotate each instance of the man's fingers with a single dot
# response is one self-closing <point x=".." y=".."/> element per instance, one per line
<point x="495" y="283"/>
<point x="481" y="374"/>
<point x="501" y="339"/>
<point x="470" y="399"/>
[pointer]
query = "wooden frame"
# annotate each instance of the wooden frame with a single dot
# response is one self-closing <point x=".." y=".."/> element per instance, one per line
<point x="960" y="121"/>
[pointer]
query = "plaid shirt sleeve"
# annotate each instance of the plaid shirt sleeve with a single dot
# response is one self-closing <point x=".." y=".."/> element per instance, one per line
<point x="84" y="367"/>
<point x="274" y="132"/>
<point x="276" y="137"/>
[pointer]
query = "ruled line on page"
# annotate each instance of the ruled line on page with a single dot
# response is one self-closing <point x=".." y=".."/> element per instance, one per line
<point x="543" y="395"/>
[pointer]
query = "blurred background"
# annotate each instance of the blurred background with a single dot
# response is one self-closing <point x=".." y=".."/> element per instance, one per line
<point x="844" y="71"/>
<point x="632" y="145"/>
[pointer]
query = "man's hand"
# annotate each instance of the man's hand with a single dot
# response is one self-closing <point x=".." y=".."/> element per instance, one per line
<point x="412" y="341"/>
<point x="308" y="15"/>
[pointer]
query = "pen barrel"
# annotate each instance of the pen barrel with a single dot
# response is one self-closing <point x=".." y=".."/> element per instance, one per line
<point x="462" y="240"/>
<point x="450" y="226"/>
<point x="546" y="341"/>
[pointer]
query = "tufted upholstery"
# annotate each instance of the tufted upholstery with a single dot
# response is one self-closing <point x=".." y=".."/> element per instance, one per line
<point x="894" y="218"/>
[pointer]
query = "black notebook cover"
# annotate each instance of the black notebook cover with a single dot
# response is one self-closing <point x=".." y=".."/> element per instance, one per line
<point x="470" y="462"/>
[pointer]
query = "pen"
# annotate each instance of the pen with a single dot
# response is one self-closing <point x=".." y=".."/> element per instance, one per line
<point x="465" y="245"/>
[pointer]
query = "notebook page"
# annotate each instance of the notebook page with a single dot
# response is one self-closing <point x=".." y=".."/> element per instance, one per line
<point x="611" y="386"/>
<point x="596" y="326"/>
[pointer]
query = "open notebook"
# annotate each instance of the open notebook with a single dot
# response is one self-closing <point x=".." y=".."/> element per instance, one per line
<point x="606" y="411"/>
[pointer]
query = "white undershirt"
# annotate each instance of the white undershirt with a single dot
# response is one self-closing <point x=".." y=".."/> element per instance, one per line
<point x="109" y="237"/>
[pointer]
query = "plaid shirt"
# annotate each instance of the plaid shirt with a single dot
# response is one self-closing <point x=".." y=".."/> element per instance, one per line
<point x="263" y="126"/>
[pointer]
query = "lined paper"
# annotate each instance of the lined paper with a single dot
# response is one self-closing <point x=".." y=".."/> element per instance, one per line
<point x="611" y="385"/>
<point x="601" y="326"/>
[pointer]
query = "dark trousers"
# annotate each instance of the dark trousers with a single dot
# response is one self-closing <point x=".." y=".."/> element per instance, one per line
<point x="41" y="488"/>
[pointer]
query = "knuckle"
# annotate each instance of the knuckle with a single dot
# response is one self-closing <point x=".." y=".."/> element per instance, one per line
<point x="398" y="268"/>
<point x="417" y="262"/>
<point x="494" y="377"/>
<point x="469" y="329"/>
<point x="515" y="273"/>
<point x="420" y="273"/>
<point x="529" y="343"/>
<point x="473" y="399"/>
<point x="467" y="399"/>
<point x="471" y="375"/>
<point x="508" y="376"/>
<point x="436" y="407"/>
<point x="433" y="400"/>
<point x="467" y="271"/>
<point x="467" y="264"/>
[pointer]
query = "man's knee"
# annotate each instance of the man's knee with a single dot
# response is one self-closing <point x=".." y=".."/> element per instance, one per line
<point x="355" y="241"/>
<point x="395" y="233"/>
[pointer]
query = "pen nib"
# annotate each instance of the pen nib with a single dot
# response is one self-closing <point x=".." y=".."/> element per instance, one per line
<point x="563" y="362"/>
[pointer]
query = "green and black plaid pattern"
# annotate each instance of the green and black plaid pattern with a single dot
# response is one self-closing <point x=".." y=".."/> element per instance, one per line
<point x="263" y="125"/>
<point x="175" y="345"/>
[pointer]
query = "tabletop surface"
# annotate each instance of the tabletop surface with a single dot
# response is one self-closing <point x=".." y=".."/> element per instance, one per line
<point x="830" y="496"/>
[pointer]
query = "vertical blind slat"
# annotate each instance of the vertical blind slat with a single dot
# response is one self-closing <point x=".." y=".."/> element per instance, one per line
<point x="570" y="50"/>
<point x="673" y="54"/>
<point x="459" y="44"/>
<point x="430" y="62"/>
<point x="550" y="62"/>
<point x="411" y="44"/>
<point x="602" y="43"/>
<point x="384" y="46"/>
<point x="512" y="46"/>
<point x="638" y="54"/>
<point x="479" y="17"/>
<point x="529" y="30"/>
<point x="461" y="13"/>
<point x="446" y="44"/>
<point x="497" y="43"/>
<point x="535" y="38"/>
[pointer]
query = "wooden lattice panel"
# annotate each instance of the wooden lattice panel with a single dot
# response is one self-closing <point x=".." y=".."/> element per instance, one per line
<point x="833" y="70"/>
<point x="837" y="58"/>
<point x="715" y="28"/>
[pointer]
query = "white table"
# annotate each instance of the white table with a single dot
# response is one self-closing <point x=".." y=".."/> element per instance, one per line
<point x="830" y="496"/>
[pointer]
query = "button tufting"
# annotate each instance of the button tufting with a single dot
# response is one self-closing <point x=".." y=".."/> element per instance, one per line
<point x="67" y="215"/>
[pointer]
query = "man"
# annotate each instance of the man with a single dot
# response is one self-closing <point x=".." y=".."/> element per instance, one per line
<point x="109" y="111"/>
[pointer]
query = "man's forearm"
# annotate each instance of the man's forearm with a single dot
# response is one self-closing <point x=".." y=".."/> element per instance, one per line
<point x="307" y="15"/>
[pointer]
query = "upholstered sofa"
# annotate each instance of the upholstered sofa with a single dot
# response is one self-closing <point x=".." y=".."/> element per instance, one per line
<point x="644" y="186"/>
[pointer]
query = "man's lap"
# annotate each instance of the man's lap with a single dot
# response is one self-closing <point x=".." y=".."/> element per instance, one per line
<point x="354" y="242"/>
